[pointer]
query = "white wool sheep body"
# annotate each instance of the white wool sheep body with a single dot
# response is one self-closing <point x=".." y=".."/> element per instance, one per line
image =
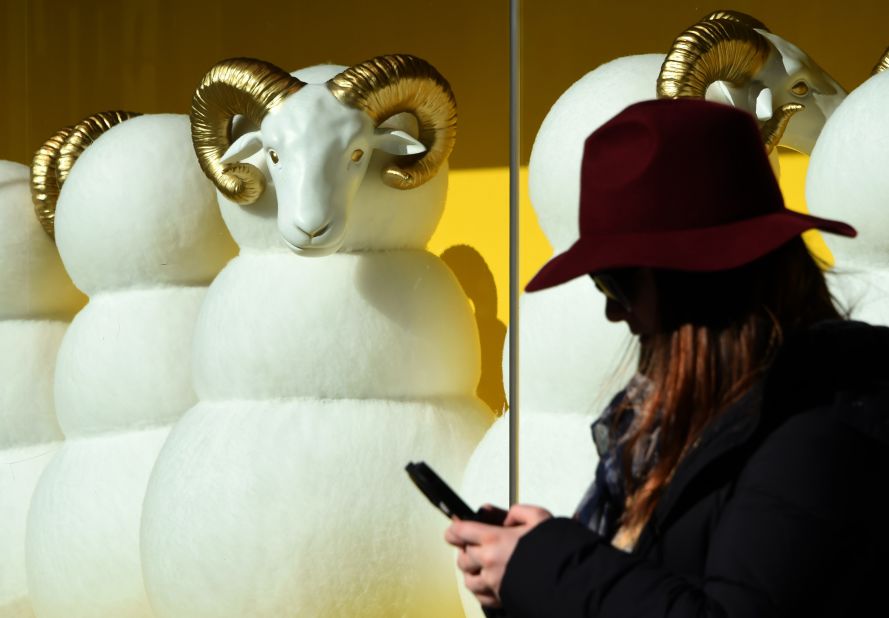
<point x="37" y="299"/>
<point x="847" y="180"/>
<point x="283" y="491"/>
<point x="138" y="229"/>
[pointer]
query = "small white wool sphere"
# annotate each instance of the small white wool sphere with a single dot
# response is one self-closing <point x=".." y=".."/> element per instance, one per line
<point x="847" y="177"/>
<point x="554" y="169"/>
<point x="136" y="208"/>
<point x="33" y="282"/>
<point x="847" y="180"/>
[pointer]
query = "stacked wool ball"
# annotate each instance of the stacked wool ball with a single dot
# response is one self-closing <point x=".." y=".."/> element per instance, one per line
<point x="847" y="180"/>
<point x="283" y="491"/>
<point x="37" y="300"/>
<point x="139" y="231"/>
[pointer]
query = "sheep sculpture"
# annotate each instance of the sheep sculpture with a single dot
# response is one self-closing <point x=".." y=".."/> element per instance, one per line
<point x="139" y="231"/>
<point x="37" y="301"/>
<point x="847" y="178"/>
<point x="333" y="350"/>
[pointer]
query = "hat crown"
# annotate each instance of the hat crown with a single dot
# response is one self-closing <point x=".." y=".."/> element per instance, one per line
<point x="666" y="165"/>
<point x="677" y="184"/>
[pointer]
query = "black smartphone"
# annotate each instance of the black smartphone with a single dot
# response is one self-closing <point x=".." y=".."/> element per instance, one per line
<point x="446" y="499"/>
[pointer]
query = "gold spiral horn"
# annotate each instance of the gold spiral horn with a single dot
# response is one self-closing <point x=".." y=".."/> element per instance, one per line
<point x="54" y="159"/>
<point x="883" y="64"/>
<point x="737" y="16"/>
<point x="773" y="130"/>
<point x="45" y="185"/>
<point x="236" y="86"/>
<point x="389" y="85"/>
<point x="710" y="51"/>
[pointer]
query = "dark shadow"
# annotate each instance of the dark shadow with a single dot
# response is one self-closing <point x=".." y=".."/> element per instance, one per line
<point x="477" y="281"/>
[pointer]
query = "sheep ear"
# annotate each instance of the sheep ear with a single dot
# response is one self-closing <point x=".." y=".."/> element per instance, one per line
<point x="397" y="142"/>
<point x="764" y="109"/>
<point x="246" y="145"/>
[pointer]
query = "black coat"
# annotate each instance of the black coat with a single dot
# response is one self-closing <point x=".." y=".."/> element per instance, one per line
<point x="782" y="508"/>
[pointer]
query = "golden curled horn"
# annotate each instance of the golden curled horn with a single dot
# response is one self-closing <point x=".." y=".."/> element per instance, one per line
<point x="389" y="85"/>
<point x="236" y="86"/>
<point x="54" y="159"/>
<point x="773" y="130"/>
<point x="45" y="184"/>
<point x="710" y="51"/>
<point x="883" y="64"/>
<point x="737" y="16"/>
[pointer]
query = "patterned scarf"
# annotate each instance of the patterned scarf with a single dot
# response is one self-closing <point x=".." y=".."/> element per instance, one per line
<point x="603" y="503"/>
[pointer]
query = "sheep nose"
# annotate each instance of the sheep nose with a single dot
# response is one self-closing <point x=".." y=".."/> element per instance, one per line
<point x="315" y="233"/>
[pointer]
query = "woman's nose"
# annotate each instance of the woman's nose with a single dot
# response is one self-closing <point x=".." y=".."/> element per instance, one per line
<point x="614" y="311"/>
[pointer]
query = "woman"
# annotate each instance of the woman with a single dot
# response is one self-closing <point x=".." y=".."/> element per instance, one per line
<point x="741" y="470"/>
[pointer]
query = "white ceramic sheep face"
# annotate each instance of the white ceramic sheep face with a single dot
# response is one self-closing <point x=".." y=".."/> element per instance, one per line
<point x="316" y="153"/>
<point x="328" y="158"/>
<point x="788" y="76"/>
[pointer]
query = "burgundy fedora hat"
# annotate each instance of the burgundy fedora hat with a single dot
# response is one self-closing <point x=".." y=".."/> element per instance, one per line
<point x="678" y="184"/>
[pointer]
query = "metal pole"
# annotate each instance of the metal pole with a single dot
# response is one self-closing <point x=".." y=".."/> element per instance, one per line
<point x="514" y="163"/>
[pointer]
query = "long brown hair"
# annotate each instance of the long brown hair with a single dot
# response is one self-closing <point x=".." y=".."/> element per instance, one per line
<point x="719" y="333"/>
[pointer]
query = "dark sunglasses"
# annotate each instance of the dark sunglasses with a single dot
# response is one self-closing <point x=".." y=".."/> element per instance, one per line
<point x="611" y="288"/>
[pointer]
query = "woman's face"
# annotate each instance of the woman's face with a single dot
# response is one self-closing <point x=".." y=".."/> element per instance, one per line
<point x="631" y="297"/>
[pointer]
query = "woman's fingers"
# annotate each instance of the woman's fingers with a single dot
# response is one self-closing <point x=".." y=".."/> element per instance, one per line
<point x="486" y="549"/>
<point x="525" y="514"/>
<point x="481" y="589"/>
<point x="451" y="536"/>
<point x="468" y="563"/>
<point x="469" y="533"/>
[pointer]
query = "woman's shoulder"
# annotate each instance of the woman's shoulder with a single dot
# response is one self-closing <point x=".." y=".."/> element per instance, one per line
<point x="824" y="438"/>
<point x="833" y="363"/>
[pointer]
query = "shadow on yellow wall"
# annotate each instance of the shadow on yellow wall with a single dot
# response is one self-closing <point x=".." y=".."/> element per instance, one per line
<point x="478" y="284"/>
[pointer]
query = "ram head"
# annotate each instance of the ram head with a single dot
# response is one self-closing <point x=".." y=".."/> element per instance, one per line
<point x="317" y="140"/>
<point x="732" y="58"/>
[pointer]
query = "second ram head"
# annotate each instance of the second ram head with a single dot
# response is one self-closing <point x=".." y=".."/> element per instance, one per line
<point x="732" y="58"/>
<point x="343" y="158"/>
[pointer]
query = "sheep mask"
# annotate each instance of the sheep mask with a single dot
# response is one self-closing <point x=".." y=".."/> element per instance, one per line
<point x="318" y="138"/>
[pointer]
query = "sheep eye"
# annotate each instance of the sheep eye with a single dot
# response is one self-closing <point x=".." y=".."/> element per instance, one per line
<point x="273" y="156"/>
<point x="357" y="154"/>
<point x="800" y="89"/>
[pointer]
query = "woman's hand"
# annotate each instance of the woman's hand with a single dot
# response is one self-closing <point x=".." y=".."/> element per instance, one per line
<point x="485" y="550"/>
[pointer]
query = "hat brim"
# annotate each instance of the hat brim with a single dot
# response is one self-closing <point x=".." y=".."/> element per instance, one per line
<point x="704" y="249"/>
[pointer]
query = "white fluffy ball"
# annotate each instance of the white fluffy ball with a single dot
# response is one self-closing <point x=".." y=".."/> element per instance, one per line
<point x="847" y="180"/>
<point x="301" y="507"/>
<point x="382" y="324"/>
<point x="136" y="208"/>
<point x="847" y="177"/>
<point x="554" y="169"/>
